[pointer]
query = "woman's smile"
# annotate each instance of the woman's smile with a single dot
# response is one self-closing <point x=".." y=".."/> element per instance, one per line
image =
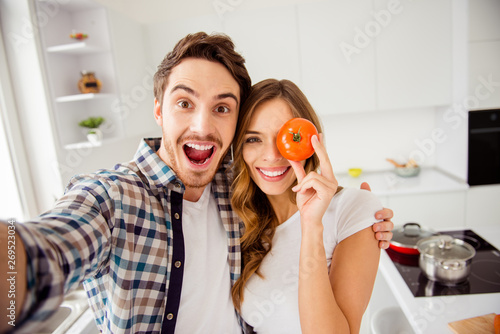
<point x="273" y="174"/>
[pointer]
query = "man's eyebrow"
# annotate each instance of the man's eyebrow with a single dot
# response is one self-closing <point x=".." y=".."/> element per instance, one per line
<point x="226" y="95"/>
<point x="185" y="88"/>
<point x="193" y="92"/>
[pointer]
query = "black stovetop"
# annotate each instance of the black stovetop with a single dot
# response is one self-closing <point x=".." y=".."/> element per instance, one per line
<point x="484" y="276"/>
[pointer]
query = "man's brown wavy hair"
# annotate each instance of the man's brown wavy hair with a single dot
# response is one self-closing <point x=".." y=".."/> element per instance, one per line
<point x="248" y="201"/>
<point x="215" y="47"/>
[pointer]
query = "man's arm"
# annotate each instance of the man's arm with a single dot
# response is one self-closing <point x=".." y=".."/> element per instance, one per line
<point x="382" y="229"/>
<point x="59" y="249"/>
<point x="12" y="276"/>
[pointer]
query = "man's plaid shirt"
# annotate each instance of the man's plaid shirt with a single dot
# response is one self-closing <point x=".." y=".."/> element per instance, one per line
<point x="113" y="231"/>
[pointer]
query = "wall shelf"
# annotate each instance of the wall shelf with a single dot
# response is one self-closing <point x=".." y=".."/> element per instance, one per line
<point x="83" y="144"/>
<point x="83" y="97"/>
<point x="75" y="48"/>
<point x="66" y="58"/>
<point x="87" y="144"/>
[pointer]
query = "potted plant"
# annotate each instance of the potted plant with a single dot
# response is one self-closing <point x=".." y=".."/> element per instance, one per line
<point x="94" y="135"/>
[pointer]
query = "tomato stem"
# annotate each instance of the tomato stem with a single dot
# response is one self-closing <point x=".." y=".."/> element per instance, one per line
<point x="296" y="136"/>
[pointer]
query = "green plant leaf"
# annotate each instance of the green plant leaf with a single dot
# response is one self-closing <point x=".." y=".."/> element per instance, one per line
<point x="91" y="122"/>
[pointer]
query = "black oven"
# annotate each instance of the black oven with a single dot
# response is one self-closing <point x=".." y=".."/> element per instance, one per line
<point x="484" y="147"/>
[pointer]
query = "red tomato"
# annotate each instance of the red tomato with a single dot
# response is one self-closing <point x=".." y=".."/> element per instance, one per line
<point x="294" y="139"/>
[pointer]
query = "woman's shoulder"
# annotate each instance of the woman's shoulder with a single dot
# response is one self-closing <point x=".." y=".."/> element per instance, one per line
<point x="350" y="211"/>
<point x="354" y="196"/>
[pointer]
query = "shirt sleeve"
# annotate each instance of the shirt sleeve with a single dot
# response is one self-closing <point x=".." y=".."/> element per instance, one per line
<point x="65" y="245"/>
<point x="358" y="208"/>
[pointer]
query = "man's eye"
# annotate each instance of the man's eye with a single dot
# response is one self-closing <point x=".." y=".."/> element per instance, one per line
<point x="222" y="109"/>
<point x="184" y="104"/>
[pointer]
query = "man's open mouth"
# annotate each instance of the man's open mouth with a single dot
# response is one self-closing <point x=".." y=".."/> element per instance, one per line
<point x="198" y="154"/>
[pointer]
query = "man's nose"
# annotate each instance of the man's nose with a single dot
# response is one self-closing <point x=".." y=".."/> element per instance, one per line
<point x="202" y="121"/>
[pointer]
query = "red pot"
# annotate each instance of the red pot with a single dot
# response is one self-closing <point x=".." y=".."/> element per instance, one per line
<point x="405" y="238"/>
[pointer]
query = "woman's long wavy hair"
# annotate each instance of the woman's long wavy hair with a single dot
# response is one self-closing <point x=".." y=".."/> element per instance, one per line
<point x="249" y="202"/>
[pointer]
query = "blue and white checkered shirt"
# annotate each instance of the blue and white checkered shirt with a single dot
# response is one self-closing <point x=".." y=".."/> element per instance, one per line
<point x="116" y="231"/>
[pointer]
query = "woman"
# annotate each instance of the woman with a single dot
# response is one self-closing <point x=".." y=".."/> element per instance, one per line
<point x="309" y="251"/>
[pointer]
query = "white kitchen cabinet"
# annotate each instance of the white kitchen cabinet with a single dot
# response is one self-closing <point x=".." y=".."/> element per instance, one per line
<point x="65" y="58"/>
<point x="484" y="52"/>
<point x="414" y="54"/>
<point x="484" y="75"/>
<point x="483" y="18"/>
<point x="381" y="55"/>
<point x="267" y="39"/>
<point x="338" y="71"/>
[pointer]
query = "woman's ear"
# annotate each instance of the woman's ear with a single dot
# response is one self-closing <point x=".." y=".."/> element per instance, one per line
<point x="158" y="113"/>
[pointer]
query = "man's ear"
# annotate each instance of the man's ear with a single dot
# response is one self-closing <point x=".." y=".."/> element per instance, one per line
<point x="158" y="113"/>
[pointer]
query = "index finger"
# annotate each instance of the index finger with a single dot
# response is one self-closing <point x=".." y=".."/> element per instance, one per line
<point x="324" y="160"/>
<point x="298" y="169"/>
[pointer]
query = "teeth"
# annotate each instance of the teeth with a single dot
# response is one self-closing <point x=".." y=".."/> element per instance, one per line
<point x="272" y="174"/>
<point x="200" y="147"/>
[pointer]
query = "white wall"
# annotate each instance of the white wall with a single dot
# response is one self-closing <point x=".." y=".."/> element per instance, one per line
<point x="365" y="140"/>
<point x="32" y="106"/>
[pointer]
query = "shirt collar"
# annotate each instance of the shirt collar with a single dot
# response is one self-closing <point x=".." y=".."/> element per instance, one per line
<point x="150" y="164"/>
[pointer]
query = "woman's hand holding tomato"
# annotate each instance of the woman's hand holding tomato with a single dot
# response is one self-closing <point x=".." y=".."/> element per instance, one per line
<point x="315" y="191"/>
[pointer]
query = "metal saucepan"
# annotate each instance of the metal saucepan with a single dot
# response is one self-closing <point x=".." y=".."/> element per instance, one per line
<point x="445" y="259"/>
<point x="404" y="238"/>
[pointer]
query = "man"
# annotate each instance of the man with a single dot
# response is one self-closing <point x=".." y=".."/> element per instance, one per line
<point x="154" y="241"/>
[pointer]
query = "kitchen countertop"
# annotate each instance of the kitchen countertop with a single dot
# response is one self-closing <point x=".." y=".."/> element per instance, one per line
<point x="432" y="314"/>
<point x="386" y="183"/>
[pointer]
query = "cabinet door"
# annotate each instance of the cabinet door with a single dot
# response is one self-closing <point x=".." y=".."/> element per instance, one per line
<point x="483" y="20"/>
<point x="267" y="38"/>
<point x="338" y="67"/>
<point x="434" y="210"/>
<point x="484" y="53"/>
<point x="484" y="75"/>
<point x="413" y="52"/>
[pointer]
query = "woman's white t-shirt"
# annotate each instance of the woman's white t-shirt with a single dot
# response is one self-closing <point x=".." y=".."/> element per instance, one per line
<point x="271" y="303"/>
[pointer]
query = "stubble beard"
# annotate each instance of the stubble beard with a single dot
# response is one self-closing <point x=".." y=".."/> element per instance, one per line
<point x="191" y="179"/>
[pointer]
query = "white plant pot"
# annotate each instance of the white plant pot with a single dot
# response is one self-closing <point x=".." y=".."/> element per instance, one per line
<point x="95" y="138"/>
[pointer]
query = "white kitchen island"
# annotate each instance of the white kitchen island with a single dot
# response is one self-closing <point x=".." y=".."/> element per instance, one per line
<point x="432" y="314"/>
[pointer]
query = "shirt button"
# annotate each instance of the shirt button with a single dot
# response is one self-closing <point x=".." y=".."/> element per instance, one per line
<point x="170" y="316"/>
<point x="176" y="215"/>
<point x="177" y="184"/>
<point x="177" y="264"/>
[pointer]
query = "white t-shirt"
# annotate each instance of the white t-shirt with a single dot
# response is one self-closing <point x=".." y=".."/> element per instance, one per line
<point x="271" y="304"/>
<point x="206" y="305"/>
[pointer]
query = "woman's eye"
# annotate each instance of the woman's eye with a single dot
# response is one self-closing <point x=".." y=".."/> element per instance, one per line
<point x="252" y="140"/>
<point x="184" y="104"/>
<point x="222" y="109"/>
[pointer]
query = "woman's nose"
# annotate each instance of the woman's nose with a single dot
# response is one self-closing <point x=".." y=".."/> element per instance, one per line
<point x="271" y="152"/>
